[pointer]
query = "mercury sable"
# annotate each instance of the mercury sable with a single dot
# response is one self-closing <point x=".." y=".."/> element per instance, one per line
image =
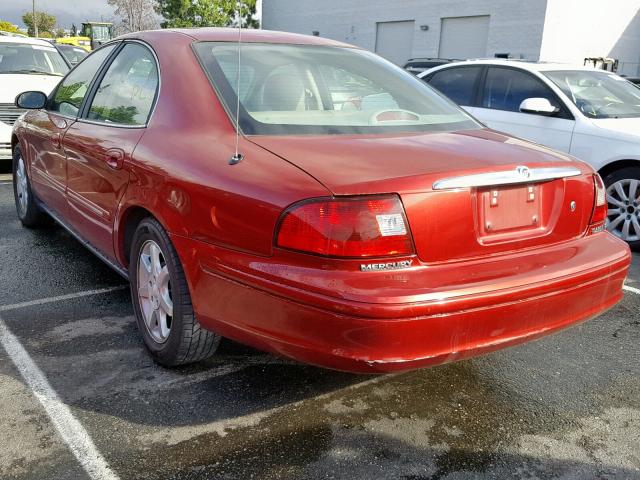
<point x="359" y="221"/>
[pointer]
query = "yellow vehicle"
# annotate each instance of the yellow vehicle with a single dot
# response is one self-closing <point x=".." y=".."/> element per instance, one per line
<point x="83" y="42"/>
<point x="92" y="35"/>
<point x="98" y="32"/>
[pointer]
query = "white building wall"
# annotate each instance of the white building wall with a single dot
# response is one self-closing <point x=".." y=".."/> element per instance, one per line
<point x="515" y="26"/>
<point x="577" y="29"/>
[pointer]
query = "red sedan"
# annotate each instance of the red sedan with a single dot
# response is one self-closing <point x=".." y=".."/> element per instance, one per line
<point x="359" y="221"/>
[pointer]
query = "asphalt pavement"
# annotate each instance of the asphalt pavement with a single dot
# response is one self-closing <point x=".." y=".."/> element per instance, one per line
<point x="80" y="398"/>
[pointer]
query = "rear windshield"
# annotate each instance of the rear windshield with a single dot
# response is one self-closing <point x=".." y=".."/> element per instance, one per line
<point x="25" y="58"/>
<point x="303" y="89"/>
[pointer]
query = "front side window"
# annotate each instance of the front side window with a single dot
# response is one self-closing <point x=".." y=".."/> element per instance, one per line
<point x="457" y="83"/>
<point x="297" y="89"/>
<point x="70" y="93"/>
<point x="24" y="58"/>
<point x="127" y="91"/>
<point x="506" y="88"/>
<point x="598" y="94"/>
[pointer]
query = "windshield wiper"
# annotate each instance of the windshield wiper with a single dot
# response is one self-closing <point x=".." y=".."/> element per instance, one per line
<point x="33" y="71"/>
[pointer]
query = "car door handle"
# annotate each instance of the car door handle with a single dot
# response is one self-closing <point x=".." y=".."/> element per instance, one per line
<point x="56" y="141"/>
<point x="115" y="158"/>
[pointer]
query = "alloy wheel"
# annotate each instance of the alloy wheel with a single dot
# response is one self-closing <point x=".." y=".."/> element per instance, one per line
<point x="22" y="188"/>
<point x="623" y="215"/>
<point x="154" y="291"/>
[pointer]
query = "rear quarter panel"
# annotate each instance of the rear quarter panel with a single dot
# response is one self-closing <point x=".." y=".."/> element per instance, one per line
<point x="180" y="169"/>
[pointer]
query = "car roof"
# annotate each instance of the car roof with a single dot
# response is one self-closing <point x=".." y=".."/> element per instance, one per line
<point x="23" y="40"/>
<point x="520" y="64"/>
<point x="212" y="34"/>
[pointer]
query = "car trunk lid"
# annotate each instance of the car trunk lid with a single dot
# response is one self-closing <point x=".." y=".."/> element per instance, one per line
<point x="466" y="194"/>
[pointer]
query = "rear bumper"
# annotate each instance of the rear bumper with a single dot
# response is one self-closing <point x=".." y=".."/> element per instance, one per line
<point x="383" y="335"/>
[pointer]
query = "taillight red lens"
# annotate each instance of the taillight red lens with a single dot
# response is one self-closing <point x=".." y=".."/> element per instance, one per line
<point x="347" y="227"/>
<point x="600" y="207"/>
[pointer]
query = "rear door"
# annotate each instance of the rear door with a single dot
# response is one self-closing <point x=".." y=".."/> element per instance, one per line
<point x="504" y="90"/>
<point x="459" y="84"/>
<point x="101" y="142"/>
<point x="43" y="140"/>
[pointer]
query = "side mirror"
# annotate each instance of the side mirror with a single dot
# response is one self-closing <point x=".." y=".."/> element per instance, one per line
<point x="31" y="100"/>
<point x="538" y="106"/>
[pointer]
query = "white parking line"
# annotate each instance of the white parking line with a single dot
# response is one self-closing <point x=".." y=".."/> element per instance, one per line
<point x="70" y="296"/>
<point x="69" y="428"/>
<point x="631" y="289"/>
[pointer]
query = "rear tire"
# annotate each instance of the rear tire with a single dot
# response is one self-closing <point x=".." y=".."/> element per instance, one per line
<point x="161" y="300"/>
<point x="623" y="197"/>
<point x="28" y="211"/>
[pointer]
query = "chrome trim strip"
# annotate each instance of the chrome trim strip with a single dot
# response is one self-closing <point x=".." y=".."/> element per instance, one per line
<point x="508" y="177"/>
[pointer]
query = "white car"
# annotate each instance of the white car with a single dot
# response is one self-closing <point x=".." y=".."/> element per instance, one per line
<point x="25" y="64"/>
<point x="591" y="114"/>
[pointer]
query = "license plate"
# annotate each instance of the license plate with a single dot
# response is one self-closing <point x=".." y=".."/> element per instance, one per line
<point x="509" y="208"/>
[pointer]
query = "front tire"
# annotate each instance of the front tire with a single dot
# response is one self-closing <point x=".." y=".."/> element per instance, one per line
<point x="623" y="197"/>
<point x="161" y="300"/>
<point x="28" y="212"/>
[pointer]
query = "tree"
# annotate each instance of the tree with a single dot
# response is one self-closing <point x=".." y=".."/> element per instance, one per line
<point x="8" y="27"/>
<point x="205" y="13"/>
<point x="135" y="15"/>
<point x="59" y="33"/>
<point x="46" y="22"/>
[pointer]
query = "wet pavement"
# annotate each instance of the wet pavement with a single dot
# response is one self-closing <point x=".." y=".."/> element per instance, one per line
<point x="567" y="406"/>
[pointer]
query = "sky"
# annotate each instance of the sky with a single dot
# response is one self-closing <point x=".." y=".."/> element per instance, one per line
<point x="66" y="11"/>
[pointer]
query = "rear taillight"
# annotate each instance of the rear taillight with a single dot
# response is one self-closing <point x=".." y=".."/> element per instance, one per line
<point x="600" y="207"/>
<point x="365" y="226"/>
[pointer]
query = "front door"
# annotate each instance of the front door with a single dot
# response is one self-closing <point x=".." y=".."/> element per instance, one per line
<point x="99" y="146"/>
<point x="504" y="90"/>
<point x="43" y="140"/>
<point x="42" y="148"/>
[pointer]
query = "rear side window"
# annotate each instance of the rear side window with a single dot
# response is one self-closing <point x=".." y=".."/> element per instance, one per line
<point x="73" y="88"/>
<point x="127" y="91"/>
<point x="457" y="83"/>
<point x="506" y="88"/>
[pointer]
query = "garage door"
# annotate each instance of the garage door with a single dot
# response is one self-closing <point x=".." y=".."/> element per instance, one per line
<point x="394" y="41"/>
<point x="464" y="37"/>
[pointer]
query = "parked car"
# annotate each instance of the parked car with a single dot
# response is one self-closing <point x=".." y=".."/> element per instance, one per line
<point x="591" y="114"/>
<point x="390" y="233"/>
<point x="419" y="65"/>
<point x="634" y="80"/>
<point x="71" y="53"/>
<point x="25" y="64"/>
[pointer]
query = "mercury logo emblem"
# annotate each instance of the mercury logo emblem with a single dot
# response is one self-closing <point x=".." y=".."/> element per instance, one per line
<point x="370" y="267"/>
<point x="523" y="171"/>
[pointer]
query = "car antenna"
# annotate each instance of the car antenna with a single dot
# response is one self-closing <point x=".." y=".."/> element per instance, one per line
<point x="238" y="157"/>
